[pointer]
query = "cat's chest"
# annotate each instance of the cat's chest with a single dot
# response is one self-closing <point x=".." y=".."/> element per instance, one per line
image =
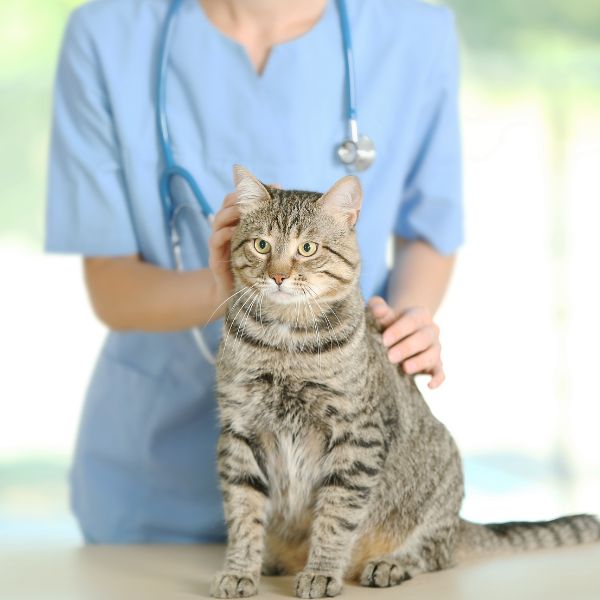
<point x="288" y="402"/>
<point x="295" y="469"/>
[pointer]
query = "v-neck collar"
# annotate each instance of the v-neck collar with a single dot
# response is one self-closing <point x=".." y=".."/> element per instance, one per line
<point x="275" y="50"/>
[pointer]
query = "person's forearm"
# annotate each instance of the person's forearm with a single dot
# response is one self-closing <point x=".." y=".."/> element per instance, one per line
<point x="129" y="294"/>
<point x="419" y="277"/>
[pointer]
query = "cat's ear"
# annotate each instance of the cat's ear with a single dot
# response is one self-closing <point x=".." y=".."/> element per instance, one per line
<point x="250" y="190"/>
<point x="344" y="199"/>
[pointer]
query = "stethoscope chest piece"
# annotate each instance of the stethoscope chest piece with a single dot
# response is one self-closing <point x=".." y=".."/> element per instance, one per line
<point x="357" y="155"/>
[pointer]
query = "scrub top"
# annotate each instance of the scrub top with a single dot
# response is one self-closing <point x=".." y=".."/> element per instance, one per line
<point x="144" y="468"/>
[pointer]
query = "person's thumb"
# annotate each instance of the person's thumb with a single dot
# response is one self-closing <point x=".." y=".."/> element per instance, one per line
<point x="381" y="310"/>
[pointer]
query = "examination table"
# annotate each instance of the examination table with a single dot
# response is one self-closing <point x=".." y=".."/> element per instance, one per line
<point x="178" y="572"/>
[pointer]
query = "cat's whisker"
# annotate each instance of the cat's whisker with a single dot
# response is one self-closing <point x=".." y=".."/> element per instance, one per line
<point x="297" y="323"/>
<point x="246" y="291"/>
<point x="234" y="322"/>
<point x="249" y="290"/>
<point x="297" y="312"/>
<point x="224" y="301"/>
<point x="303" y="304"/>
<point x="247" y="314"/>
<point x="260" y="303"/>
<point x="316" y="330"/>
<point x="242" y="323"/>
<point x="262" y="297"/>
<point x="335" y="337"/>
<point x="331" y="307"/>
<point x="306" y="317"/>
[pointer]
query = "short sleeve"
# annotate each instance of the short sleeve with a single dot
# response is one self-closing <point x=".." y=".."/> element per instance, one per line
<point x="87" y="208"/>
<point x="431" y="207"/>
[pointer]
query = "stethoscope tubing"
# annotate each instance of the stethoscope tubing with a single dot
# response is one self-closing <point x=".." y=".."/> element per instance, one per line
<point x="161" y="77"/>
<point x="166" y="178"/>
<point x="351" y="105"/>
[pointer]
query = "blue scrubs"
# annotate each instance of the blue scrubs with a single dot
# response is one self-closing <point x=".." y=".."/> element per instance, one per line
<point x="144" y="466"/>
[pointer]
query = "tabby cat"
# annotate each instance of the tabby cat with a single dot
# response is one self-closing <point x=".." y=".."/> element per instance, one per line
<point x="331" y="464"/>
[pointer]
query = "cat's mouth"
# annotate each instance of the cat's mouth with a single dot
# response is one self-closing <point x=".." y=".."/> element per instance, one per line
<point x="284" y="294"/>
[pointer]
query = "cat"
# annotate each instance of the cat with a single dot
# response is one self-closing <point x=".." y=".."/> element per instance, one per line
<point x="331" y="464"/>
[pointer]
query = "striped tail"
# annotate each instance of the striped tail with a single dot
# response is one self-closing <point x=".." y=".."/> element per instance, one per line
<point x="521" y="536"/>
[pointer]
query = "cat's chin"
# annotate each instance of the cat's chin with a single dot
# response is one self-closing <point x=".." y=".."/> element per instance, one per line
<point x="283" y="297"/>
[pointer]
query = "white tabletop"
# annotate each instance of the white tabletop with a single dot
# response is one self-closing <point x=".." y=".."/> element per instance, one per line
<point x="177" y="572"/>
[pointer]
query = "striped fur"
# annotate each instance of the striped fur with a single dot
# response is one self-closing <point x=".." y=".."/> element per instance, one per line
<point x="331" y="464"/>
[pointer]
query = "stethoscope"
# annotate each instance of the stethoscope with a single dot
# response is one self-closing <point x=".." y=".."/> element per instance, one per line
<point x="357" y="152"/>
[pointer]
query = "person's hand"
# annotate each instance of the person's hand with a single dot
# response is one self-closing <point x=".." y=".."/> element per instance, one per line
<point x="412" y="338"/>
<point x="219" y="244"/>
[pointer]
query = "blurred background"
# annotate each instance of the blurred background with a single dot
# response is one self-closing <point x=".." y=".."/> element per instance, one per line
<point x="520" y="326"/>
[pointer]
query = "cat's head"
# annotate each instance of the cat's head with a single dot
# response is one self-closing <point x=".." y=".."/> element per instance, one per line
<point x="292" y="245"/>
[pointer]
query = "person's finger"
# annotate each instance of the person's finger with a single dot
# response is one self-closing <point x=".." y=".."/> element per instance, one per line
<point x="382" y="311"/>
<point x="226" y="216"/>
<point x="424" y="362"/>
<point x="408" y="323"/>
<point x="414" y="344"/>
<point x="437" y="378"/>
<point x="219" y="238"/>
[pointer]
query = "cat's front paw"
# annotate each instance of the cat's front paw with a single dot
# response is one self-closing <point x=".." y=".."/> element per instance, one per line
<point x="312" y="584"/>
<point x="384" y="573"/>
<point x="233" y="585"/>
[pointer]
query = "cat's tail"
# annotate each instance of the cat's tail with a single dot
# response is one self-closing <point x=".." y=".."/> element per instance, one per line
<point x="519" y="536"/>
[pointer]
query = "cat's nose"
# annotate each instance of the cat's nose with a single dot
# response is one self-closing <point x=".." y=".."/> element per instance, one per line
<point x="278" y="278"/>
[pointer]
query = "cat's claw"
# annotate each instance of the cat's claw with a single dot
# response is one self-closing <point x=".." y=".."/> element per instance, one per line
<point x="311" y="584"/>
<point x="233" y="585"/>
<point x="383" y="573"/>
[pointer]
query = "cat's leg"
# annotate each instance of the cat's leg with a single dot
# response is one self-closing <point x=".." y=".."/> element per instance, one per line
<point x="342" y="506"/>
<point x="245" y="497"/>
<point x="430" y="547"/>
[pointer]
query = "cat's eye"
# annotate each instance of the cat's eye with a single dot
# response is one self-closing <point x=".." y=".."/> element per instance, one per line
<point x="262" y="246"/>
<point x="307" y="248"/>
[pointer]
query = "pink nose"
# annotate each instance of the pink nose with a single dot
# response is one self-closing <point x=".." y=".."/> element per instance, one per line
<point x="278" y="278"/>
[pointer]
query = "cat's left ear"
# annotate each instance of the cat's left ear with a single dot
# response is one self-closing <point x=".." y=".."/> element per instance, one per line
<point x="344" y="199"/>
<point x="250" y="190"/>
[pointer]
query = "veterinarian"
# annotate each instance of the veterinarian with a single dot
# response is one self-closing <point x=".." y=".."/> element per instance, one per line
<point x="263" y="83"/>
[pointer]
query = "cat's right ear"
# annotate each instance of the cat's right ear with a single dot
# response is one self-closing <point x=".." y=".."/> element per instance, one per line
<point x="344" y="199"/>
<point x="250" y="190"/>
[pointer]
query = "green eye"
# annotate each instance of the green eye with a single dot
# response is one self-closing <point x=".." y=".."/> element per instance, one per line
<point x="262" y="246"/>
<point x="307" y="248"/>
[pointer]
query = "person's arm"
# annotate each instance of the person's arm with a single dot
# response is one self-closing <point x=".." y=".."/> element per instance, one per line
<point x="420" y="276"/>
<point x="130" y="294"/>
<point x="429" y="224"/>
<point x="417" y="285"/>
